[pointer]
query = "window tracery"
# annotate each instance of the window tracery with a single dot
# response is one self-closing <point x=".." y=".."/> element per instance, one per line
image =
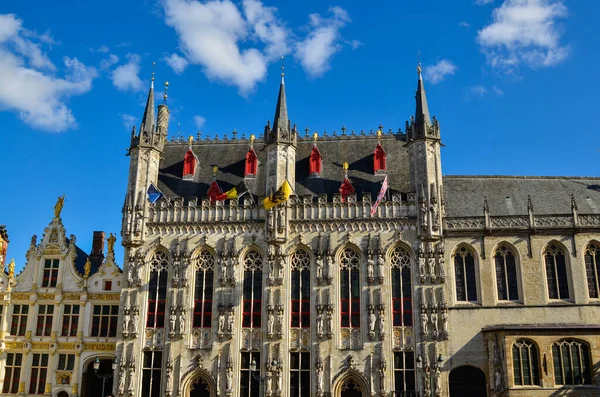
<point x="526" y="368"/>
<point x="203" y="289"/>
<point x="401" y="287"/>
<point x="350" y="288"/>
<point x="252" y="289"/>
<point x="464" y="272"/>
<point x="506" y="274"/>
<point x="300" y="289"/>
<point x="157" y="290"/>
<point x="572" y="364"/>
<point x="592" y="269"/>
<point x="556" y="272"/>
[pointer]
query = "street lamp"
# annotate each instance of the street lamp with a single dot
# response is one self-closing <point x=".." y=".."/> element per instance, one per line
<point x="261" y="379"/>
<point x="106" y="376"/>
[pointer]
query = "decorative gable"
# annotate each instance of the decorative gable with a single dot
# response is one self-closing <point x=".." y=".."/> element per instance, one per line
<point x="189" y="164"/>
<point x="379" y="160"/>
<point x="213" y="191"/>
<point x="315" y="162"/>
<point x="251" y="168"/>
<point x="346" y="188"/>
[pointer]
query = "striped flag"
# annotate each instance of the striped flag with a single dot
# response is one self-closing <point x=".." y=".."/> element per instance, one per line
<point x="384" y="188"/>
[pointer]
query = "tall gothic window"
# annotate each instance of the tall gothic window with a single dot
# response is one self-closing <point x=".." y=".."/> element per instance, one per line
<point x="157" y="290"/>
<point x="251" y="306"/>
<point x="506" y="274"/>
<point x="350" y="288"/>
<point x="151" y="372"/>
<point x="39" y="371"/>
<point x="401" y="288"/>
<point x="249" y="380"/>
<point x="300" y="289"/>
<point x="50" y="273"/>
<point x="556" y="272"/>
<point x="464" y="272"/>
<point x="203" y="289"/>
<point x="525" y="363"/>
<point x="404" y="373"/>
<point x="572" y="364"/>
<point x="592" y="269"/>
<point x="300" y="374"/>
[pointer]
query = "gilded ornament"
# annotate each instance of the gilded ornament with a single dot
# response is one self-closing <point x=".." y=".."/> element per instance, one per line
<point x="87" y="267"/>
<point x="59" y="206"/>
<point x="11" y="269"/>
<point x="99" y="346"/>
<point x="21" y="387"/>
<point x="40" y="346"/>
<point x="74" y="388"/>
<point x="71" y="296"/>
<point x="104" y="297"/>
<point x="66" y="346"/>
<point x="63" y="378"/>
<point x="48" y="388"/>
<point x="111" y="243"/>
<point x="46" y="297"/>
<point x="13" y="345"/>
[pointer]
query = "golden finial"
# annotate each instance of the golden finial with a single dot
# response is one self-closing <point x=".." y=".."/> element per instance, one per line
<point x="215" y="169"/>
<point x="11" y="269"/>
<point x="59" y="206"/>
<point x="190" y="140"/>
<point x="315" y="137"/>
<point x="345" y="166"/>
<point x="252" y="138"/>
<point x="87" y="268"/>
<point x="166" y="90"/>
<point x="379" y="134"/>
<point x="419" y="69"/>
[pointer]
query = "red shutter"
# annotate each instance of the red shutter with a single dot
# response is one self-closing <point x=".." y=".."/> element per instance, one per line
<point x="379" y="161"/>
<point x="189" y="163"/>
<point x="315" y="162"/>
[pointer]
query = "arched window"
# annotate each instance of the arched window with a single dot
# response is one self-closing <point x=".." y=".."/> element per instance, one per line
<point x="203" y="289"/>
<point x="252" y="294"/>
<point x="464" y="272"/>
<point x="300" y="289"/>
<point x="556" y="272"/>
<point x="401" y="287"/>
<point x="572" y="364"/>
<point x="350" y="288"/>
<point x="251" y="168"/>
<point x="157" y="290"/>
<point x="379" y="160"/>
<point x="526" y="363"/>
<point x="592" y="269"/>
<point x="506" y="274"/>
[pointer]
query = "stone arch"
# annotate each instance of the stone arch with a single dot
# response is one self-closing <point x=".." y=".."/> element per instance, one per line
<point x="200" y="377"/>
<point x="351" y="378"/>
<point x="399" y="244"/>
<point x="203" y="247"/>
<point x="461" y="251"/>
<point x="554" y="271"/>
<point x="341" y="248"/>
<point x="62" y="393"/>
<point x="502" y="283"/>
<point x="467" y="380"/>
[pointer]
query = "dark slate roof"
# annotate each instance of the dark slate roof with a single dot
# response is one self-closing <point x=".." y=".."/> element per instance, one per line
<point x="507" y="195"/>
<point x="81" y="259"/>
<point x="229" y="156"/>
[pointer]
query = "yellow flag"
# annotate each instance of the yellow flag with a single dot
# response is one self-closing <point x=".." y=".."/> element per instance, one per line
<point x="280" y="196"/>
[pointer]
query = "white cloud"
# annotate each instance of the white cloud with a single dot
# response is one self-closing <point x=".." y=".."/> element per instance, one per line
<point x="108" y="62"/>
<point x="128" y="121"/>
<point x="322" y="42"/>
<point x="524" y="32"/>
<point x="125" y="77"/>
<point x="478" y="90"/>
<point x="483" y="2"/>
<point x="102" y="50"/>
<point x="464" y="24"/>
<point x="211" y="33"/>
<point x="28" y="84"/>
<point x="199" y="121"/>
<point x="498" y="91"/>
<point x="176" y="62"/>
<point x="439" y="71"/>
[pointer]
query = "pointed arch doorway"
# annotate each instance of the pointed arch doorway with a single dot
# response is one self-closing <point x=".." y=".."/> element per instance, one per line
<point x="199" y="384"/>
<point x="200" y="388"/>
<point x="467" y="381"/>
<point x="351" y="388"/>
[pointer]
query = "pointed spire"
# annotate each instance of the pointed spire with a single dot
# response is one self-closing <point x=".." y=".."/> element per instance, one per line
<point x="148" y="119"/>
<point x="281" y="121"/>
<point x="422" y="110"/>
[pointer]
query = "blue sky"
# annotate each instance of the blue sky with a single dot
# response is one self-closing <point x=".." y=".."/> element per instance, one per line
<point x="512" y="82"/>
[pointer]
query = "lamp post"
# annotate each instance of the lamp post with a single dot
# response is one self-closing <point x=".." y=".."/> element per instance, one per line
<point x="261" y="379"/>
<point x="105" y="376"/>
<point x="431" y="375"/>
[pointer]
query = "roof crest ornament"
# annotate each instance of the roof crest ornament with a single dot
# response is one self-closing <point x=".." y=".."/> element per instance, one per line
<point x="152" y="80"/>
<point x="166" y="90"/>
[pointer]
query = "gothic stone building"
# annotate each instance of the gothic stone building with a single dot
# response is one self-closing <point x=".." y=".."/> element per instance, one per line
<point x="454" y="286"/>
<point x="58" y="316"/>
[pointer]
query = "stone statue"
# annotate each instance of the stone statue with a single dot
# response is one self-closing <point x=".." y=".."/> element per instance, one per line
<point x="427" y="381"/>
<point x="270" y="323"/>
<point x="172" y="320"/>
<point x="176" y="272"/>
<point x="221" y="323"/>
<point x="329" y="324"/>
<point x="131" y="378"/>
<point x="126" y="320"/>
<point x="224" y="267"/>
<point x="431" y="264"/>
<point x="130" y="269"/>
<point x="423" y="213"/>
<point x="381" y="378"/>
<point x="111" y="243"/>
<point x="424" y="322"/>
<point x="434" y="323"/>
<point x="169" y="386"/>
<point x="280" y="268"/>
<point x="381" y="323"/>
<point x="320" y="371"/>
<point x="421" y="264"/>
<point x="280" y="324"/>
<point x="438" y="381"/>
<point x="231" y="270"/>
<point x="182" y="322"/>
<point x="370" y="268"/>
<point x="380" y="267"/>
<point x="268" y="381"/>
<point x="271" y="267"/>
<point x="319" y="268"/>
<point x="279" y="380"/>
<point x="138" y="275"/>
<point x="320" y="324"/>
<point x="59" y="206"/>
<point x="87" y="268"/>
<point x="435" y="219"/>
<point x="372" y="320"/>
<point x="121" y="387"/>
<point x="445" y="321"/>
<point x="135" y="320"/>
<point x="230" y="321"/>
<point x="229" y="378"/>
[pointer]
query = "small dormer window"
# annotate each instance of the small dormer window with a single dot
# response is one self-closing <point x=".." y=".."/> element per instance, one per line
<point x="189" y="164"/>
<point x="379" y="160"/>
<point x="213" y="191"/>
<point x="50" y="277"/>
<point x="315" y="162"/>
<point x="251" y="168"/>
<point x="346" y="189"/>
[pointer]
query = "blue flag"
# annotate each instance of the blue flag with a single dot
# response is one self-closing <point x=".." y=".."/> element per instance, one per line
<point x="153" y="193"/>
